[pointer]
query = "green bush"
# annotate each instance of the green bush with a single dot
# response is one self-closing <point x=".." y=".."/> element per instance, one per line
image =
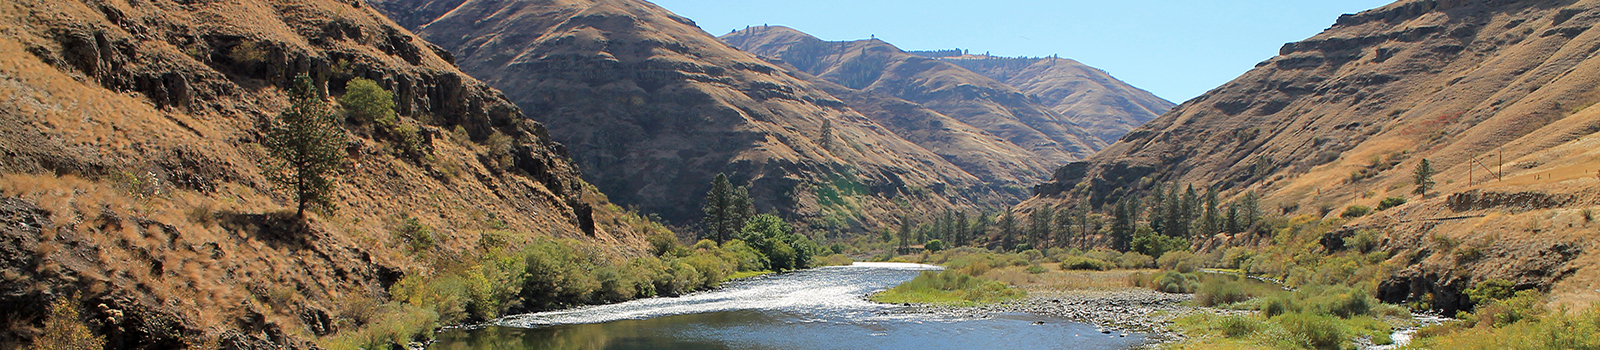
<point x="1491" y="290"/>
<point x="416" y="236"/>
<point x="1085" y="263"/>
<point x="934" y="245"/>
<point x="1180" y="261"/>
<point x="1036" y="269"/>
<point x="1133" y="260"/>
<point x="1355" y="211"/>
<point x="1313" y="331"/>
<point x="1150" y="243"/>
<point x="1234" y="326"/>
<point x="1220" y="291"/>
<point x="1391" y="202"/>
<point x="1175" y="282"/>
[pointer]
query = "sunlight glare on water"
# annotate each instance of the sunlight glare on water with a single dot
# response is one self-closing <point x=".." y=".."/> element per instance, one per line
<point x="823" y="308"/>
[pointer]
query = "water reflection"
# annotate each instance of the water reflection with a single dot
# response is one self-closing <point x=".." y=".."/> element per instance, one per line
<point x="817" y="309"/>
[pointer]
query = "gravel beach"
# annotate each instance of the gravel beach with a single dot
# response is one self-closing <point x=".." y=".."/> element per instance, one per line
<point x="1114" y="311"/>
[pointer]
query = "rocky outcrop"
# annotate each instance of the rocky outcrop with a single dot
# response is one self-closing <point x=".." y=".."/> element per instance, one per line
<point x="130" y="177"/>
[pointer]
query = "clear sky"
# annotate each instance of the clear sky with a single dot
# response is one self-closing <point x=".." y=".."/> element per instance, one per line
<point x="1177" y="49"/>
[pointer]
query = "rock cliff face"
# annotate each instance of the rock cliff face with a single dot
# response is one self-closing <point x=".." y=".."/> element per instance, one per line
<point x="1085" y="95"/>
<point x="130" y="176"/>
<point x="877" y="67"/>
<point x="1496" y="95"/>
<point x="653" y="108"/>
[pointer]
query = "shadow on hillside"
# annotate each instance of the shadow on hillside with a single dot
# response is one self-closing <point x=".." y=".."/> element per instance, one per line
<point x="278" y="229"/>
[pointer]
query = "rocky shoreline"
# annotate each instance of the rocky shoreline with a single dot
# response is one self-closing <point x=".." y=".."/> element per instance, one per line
<point x="1118" y="312"/>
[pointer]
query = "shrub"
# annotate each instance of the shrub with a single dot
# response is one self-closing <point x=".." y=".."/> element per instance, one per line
<point x="1234" y="326"/>
<point x="1036" y="269"/>
<point x="1085" y="263"/>
<point x="1355" y="211"/>
<point x="64" y="329"/>
<point x="934" y="245"/>
<point x="1313" y="331"/>
<point x="366" y="102"/>
<point x="1180" y="261"/>
<point x="1133" y="260"/>
<point x="1154" y="244"/>
<point x="416" y="236"/>
<point x="1175" y="282"/>
<point x="1490" y="291"/>
<point x="949" y="287"/>
<point x="1391" y="202"/>
<point x="1219" y="291"/>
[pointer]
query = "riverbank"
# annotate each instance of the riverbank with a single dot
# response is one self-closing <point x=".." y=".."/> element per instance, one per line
<point x="1114" y="311"/>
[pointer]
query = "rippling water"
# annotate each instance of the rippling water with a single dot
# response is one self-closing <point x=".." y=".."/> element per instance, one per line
<point x="814" y="309"/>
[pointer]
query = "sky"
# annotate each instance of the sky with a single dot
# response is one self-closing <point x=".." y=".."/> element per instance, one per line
<point x="1177" y="49"/>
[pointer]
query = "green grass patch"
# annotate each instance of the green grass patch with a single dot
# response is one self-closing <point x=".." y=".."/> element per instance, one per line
<point x="748" y="274"/>
<point x="949" y="287"/>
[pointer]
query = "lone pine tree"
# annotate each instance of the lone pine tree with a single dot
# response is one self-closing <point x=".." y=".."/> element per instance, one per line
<point x="306" y="145"/>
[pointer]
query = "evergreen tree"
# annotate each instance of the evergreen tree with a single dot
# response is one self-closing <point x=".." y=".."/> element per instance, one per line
<point x="1191" y="203"/>
<point x="1008" y="231"/>
<point x="1173" y="224"/>
<point x="741" y="209"/>
<point x="1039" y="226"/>
<point x="1121" y="225"/>
<point x="1423" y="177"/>
<point x="905" y="233"/>
<point x="1211" y="217"/>
<point x="980" y="229"/>
<point x="1249" y="210"/>
<point x="1062" y="227"/>
<point x="959" y="236"/>
<point x="1233" y="222"/>
<point x="1158" y="209"/>
<point x="307" y="148"/>
<point x="719" y="210"/>
<point x="1084" y="228"/>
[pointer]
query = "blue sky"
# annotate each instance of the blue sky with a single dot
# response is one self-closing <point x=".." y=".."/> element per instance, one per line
<point x="1177" y="49"/>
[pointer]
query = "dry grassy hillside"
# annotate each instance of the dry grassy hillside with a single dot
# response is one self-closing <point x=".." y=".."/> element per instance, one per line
<point x="1344" y="117"/>
<point x="878" y="67"/>
<point x="130" y="176"/>
<point x="1087" y="96"/>
<point x="653" y="108"/>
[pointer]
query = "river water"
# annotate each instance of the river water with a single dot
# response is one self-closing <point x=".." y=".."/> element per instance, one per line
<point x="819" y="308"/>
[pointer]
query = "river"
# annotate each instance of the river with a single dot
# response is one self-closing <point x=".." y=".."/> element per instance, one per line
<point x="822" y="308"/>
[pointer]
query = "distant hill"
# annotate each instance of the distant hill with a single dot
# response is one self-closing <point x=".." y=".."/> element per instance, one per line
<point x="1497" y="96"/>
<point x="1085" y="95"/>
<point x="878" y="67"/>
<point x="652" y="108"/>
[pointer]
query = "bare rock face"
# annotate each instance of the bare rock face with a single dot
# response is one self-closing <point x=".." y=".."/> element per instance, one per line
<point x="129" y="176"/>
<point x="1496" y="95"/>
<point x="653" y="107"/>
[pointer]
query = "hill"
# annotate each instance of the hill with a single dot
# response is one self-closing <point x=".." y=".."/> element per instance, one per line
<point x="653" y="107"/>
<point x="1495" y="95"/>
<point x="879" y="67"/>
<point x="1087" y="96"/>
<point x="130" y="179"/>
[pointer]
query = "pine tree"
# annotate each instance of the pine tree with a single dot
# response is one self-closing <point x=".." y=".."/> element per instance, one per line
<point x="1189" y="209"/>
<point x="719" y="210"/>
<point x="959" y="236"/>
<point x="1173" y="224"/>
<point x="905" y="233"/>
<point x="1158" y="209"/>
<point x="1008" y="231"/>
<point x="307" y="148"/>
<point x="980" y="229"/>
<point x="1423" y="178"/>
<point x="1039" y="226"/>
<point x="1121" y="225"/>
<point x="1211" y="218"/>
<point x="1249" y="210"/>
<point x="1062" y="227"/>
<point x="740" y="209"/>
